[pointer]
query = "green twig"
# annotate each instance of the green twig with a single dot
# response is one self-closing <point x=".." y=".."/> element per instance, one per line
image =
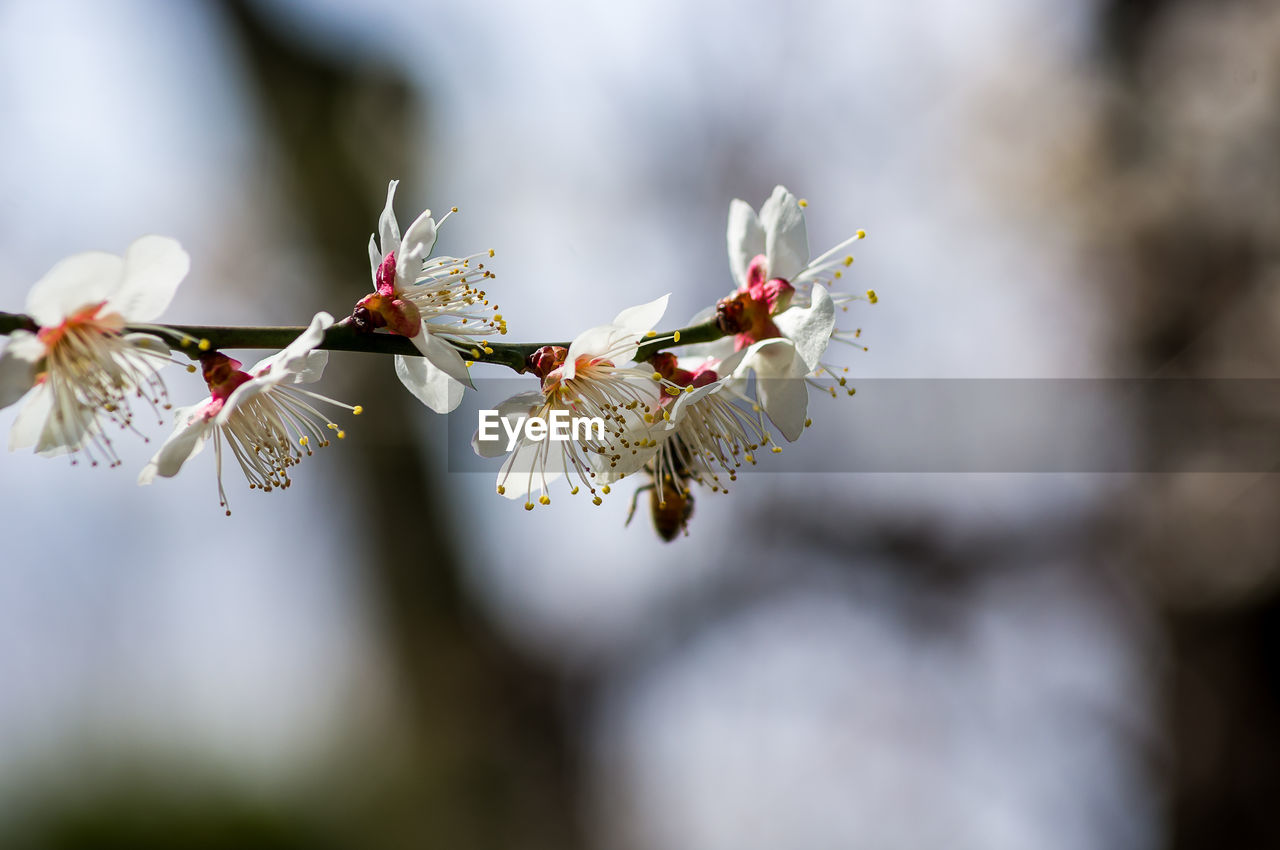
<point x="344" y="337"/>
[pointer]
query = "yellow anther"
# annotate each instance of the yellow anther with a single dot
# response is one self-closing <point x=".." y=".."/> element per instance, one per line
<point x="657" y="376"/>
<point x="204" y="345"/>
<point x="862" y="234"/>
<point x="488" y="350"/>
<point x="331" y="426"/>
<point x="777" y="450"/>
<point x="848" y="261"/>
<point x="191" y="367"/>
<point x="490" y="252"/>
<point x="605" y="489"/>
<point x="596" y="500"/>
<point x="528" y="506"/>
<point x="872" y="297"/>
<point x="574" y="491"/>
<point x="689" y="388"/>
<point x="475" y="352"/>
<point x="808" y="423"/>
<point x="342" y="435"/>
<point x="544" y="499"/>
<point x="650" y="334"/>
<point x="803" y="203"/>
<point x="673" y="390"/>
<point x="501" y="490"/>
<point x="750" y="458"/>
<point x="469" y="363"/>
<point x="453" y="209"/>
<point x="357" y="410"/>
<point x="648" y="418"/>
<point x="302" y="441"/>
<point x="675" y="337"/>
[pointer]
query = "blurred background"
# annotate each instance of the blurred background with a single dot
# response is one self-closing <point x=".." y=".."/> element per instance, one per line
<point x="388" y="656"/>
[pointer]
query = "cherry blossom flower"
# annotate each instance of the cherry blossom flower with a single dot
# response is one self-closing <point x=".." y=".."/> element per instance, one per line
<point x="80" y="370"/>
<point x="430" y="300"/>
<point x="265" y="420"/>
<point x="782" y="314"/>
<point x="585" y="381"/>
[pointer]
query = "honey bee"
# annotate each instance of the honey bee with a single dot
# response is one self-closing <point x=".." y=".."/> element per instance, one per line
<point x="670" y="504"/>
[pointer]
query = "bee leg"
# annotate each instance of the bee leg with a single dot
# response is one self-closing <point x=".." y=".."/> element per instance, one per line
<point x="635" y="499"/>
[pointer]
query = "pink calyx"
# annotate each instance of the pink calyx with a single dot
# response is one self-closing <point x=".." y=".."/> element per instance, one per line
<point x="666" y="365"/>
<point x="223" y="376"/>
<point x="384" y="307"/>
<point x="747" y="314"/>
<point x="547" y="359"/>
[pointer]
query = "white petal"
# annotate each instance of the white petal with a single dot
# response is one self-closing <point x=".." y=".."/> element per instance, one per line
<point x="297" y="362"/>
<point x="18" y="366"/>
<point x="511" y="410"/>
<point x="414" y="250"/>
<point x="153" y="268"/>
<point x="443" y="356"/>
<point x="388" y="227"/>
<point x="745" y="238"/>
<point x="184" y="443"/>
<point x="31" y="418"/>
<point x="597" y="342"/>
<point x="529" y="468"/>
<point x="770" y="358"/>
<point x="375" y="257"/>
<point x="421" y="235"/>
<point x="729" y="364"/>
<point x="408" y="266"/>
<point x="428" y="384"/>
<point x="308" y="368"/>
<point x="77" y="282"/>
<point x="780" y="386"/>
<point x="809" y="327"/>
<point x="67" y="434"/>
<point x="643" y="317"/>
<point x="786" y="243"/>
<point x="246" y="391"/>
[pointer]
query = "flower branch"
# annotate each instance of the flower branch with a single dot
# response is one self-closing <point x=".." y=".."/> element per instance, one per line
<point x="85" y="359"/>
<point x="344" y="336"/>
<point x="10" y="322"/>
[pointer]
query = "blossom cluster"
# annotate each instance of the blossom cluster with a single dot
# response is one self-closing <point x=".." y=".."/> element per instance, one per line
<point x="87" y="361"/>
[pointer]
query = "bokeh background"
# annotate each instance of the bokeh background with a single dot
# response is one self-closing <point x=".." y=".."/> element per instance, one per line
<point x="388" y="656"/>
